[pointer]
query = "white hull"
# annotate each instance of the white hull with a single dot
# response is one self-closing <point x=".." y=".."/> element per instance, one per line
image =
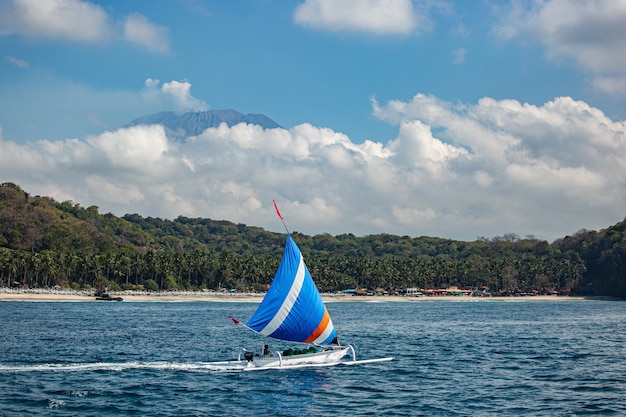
<point x="326" y="358"/>
<point x="278" y="360"/>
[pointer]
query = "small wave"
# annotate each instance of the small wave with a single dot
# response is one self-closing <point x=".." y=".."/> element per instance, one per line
<point x="77" y="393"/>
<point x="56" y="404"/>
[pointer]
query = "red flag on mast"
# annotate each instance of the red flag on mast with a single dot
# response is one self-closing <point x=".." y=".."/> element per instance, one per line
<point x="277" y="212"/>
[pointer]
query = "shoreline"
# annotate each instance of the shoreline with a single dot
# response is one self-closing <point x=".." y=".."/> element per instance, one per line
<point x="66" y="296"/>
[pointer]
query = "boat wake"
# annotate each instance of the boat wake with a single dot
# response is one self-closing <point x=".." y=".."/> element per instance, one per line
<point x="110" y="366"/>
<point x="228" y="366"/>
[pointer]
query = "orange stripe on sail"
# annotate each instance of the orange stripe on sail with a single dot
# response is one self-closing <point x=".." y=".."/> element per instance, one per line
<point x="320" y="329"/>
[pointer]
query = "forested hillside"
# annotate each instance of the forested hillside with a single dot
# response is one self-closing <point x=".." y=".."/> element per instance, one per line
<point x="45" y="243"/>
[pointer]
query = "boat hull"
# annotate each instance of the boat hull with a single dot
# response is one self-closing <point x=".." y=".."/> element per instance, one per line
<point x="330" y="357"/>
<point x="278" y="360"/>
<point x="313" y="361"/>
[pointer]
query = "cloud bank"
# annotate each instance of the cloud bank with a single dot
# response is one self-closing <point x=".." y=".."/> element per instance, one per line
<point x="456" y="170"/>
<point x="590" y="33"/>
<point x="78" y="21"/>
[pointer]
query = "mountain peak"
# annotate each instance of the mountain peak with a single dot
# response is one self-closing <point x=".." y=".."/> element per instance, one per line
<point x="179" y="126"/>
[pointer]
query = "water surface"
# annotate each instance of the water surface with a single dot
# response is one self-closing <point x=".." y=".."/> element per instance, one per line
<point x="453" y="358"/>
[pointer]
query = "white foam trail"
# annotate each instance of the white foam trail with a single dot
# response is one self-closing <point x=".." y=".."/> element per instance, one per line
<point x="107" y="366"/>
<point x="227" y="366"/>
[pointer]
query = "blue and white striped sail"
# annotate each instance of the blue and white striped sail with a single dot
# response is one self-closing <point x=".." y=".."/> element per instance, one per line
<point x="293" y="309"/>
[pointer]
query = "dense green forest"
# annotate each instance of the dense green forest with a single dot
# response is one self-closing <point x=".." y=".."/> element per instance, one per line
<point x="45" y="243"/>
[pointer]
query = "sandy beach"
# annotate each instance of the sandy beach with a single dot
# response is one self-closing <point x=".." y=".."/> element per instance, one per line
<point x="66" y="296"/>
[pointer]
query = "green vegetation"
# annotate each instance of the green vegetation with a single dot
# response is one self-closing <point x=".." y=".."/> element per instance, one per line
<point x="44" y="243"/>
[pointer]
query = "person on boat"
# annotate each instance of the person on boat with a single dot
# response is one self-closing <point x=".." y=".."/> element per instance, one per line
<point x="266" y="351"/>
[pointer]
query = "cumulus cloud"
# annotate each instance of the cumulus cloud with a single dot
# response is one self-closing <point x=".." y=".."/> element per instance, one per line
<point x="77" y="21"/>
<point x="73" y="20"/>
<point x="457" y="170"/>
<point x="176" y="94"/>
<point x="376" y="16"/>
<point x="140" y="31"/>
<point x="591" y="33"/>
<point x="562" y="153"/>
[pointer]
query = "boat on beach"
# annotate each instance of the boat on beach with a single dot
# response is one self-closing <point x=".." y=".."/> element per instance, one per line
<point x="104" y="296"/>
<point x="292" y="310"/>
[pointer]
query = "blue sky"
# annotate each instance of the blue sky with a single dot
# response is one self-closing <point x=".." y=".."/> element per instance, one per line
<point x="455" y="119"/>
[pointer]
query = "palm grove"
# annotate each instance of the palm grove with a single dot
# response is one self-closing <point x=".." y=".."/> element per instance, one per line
<point x="45" y="243"/>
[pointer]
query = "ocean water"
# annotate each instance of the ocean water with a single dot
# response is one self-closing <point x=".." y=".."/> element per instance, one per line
<point x="453" y="359"/>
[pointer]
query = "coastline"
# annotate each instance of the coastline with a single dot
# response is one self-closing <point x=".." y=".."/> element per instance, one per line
<point x="68" y="296"/>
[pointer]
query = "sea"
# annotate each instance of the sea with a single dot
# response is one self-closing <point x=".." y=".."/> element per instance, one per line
<point x="470" y="358"/>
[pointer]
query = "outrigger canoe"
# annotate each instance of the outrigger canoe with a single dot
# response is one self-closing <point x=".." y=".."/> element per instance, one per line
<point x="293" y="311"/>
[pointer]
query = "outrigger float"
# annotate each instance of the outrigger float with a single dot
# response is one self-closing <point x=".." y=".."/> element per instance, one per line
<point x="293" y="310"/>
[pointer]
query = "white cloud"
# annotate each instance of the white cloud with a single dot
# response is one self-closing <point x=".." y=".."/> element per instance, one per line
<point x="139" y="150"/>
<point x="591" y="33"/>
<point x="114" y="191"/>
<point x="410" y="216"/>
<point x="376" y="16"/>
<point x="610" y="84"/>
<point x="416" y="147"/>
<point x="140" y="31"/>
<point x="78" y="21"/>
<point x="73" y="20"/>
<point x="151" y="82"/>
<point x="181" y="93"/>
<point x="524" y="159"/>
<point x="20" y="63"/>
<point x="455" y="170"/>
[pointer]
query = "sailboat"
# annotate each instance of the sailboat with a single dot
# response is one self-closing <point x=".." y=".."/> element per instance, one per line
<point x="292" y="310"/>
